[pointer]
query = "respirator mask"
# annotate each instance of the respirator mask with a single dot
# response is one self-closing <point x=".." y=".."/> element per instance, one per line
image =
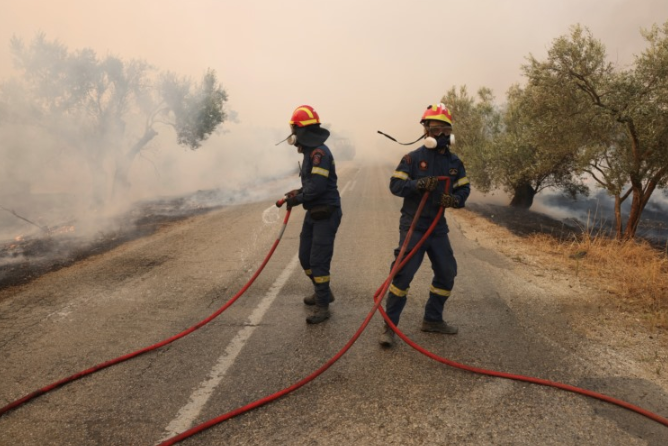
<point x="438" y="136"/>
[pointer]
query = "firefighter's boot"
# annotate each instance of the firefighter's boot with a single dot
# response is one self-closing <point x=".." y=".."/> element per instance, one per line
<point x="310" y="300"/>
<point x="386" y="338"/>
<point x="321" y="314"/>
<point x="438" y="327"/>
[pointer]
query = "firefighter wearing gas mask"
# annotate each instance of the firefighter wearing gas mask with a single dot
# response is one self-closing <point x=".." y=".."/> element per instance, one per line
<point x="416" y="174"/>
<point x="320" y="197"/>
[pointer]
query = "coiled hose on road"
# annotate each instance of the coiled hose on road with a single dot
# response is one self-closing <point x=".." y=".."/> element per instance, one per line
<point x="399" y="263"/>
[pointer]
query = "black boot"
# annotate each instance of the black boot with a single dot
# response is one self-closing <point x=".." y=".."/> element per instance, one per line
<point x="320" y="314"/>
<point x="310" y="300"/>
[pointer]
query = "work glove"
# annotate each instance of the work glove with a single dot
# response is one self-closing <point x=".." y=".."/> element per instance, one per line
<point x="449" y="201"/>
<point x="427" y="184"/>
<point x="292" y="201"/>
<point x="293" y="192"/>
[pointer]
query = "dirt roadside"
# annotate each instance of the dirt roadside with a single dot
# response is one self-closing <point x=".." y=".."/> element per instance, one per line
<point x="617" y="336"/>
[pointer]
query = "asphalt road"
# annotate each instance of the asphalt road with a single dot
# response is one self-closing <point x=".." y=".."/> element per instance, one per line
<point x="153" y="288"/>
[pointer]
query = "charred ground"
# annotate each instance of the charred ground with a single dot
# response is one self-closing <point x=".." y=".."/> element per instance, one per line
<point x="24" y="260"/>
<point x="29" y="257"/>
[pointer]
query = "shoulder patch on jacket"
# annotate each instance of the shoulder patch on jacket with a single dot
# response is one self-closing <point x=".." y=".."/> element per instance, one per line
<point x="454" y="171"/>
<point x="316" y="156"/>
<point x="407" y="159"/>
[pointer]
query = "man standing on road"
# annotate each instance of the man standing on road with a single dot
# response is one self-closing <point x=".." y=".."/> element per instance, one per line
<point x="320" y="197"/>
<point x="417" y="174"/>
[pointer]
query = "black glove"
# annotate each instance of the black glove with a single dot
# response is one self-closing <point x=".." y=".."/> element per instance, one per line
<point x="293" y="192"/>
<point x="427" y="184"/>
<point x="449" y="201"/>
<point x="291" y="202"/>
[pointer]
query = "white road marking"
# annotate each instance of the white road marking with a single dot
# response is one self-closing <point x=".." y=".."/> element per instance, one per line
<point x="188" y="413"/>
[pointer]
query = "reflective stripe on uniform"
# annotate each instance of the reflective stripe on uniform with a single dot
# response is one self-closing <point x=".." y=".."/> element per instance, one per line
<point x="439" y="291"/>
<point x="400" y="175"/>
<point x="320" y="171"/>
<point x="461" y="182"/>
<point x="321" y="279"/>
<point x="308" y="272"/>
<point x="397" y="291"/>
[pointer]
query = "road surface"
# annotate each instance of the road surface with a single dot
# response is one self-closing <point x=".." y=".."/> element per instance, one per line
<point x="150" y="289"/>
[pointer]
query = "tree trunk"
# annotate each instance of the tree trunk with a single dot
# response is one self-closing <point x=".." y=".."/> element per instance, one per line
<point x="121" y="183"/>
<point x="634" y="214"/>
<point x="618" y="216"/>
<point x="640" y="200"/>
<point x="523" y="196"/>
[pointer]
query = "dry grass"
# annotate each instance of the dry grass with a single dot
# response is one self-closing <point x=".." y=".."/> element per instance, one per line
<point x="630" y="276"/>
<point x="632" y="272"/>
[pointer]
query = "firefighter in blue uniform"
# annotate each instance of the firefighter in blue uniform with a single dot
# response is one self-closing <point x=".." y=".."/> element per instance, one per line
<point x="320" y="197"/>
<point x="416" y="174"/>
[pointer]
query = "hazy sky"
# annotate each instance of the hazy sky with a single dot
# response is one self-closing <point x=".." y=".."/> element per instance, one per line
<point x="365" y="65"/>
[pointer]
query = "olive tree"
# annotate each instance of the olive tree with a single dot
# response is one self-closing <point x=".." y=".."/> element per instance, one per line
<point x="476" y="123"/>
<point x="615" y="120"/>
<point x="106" y="108"/>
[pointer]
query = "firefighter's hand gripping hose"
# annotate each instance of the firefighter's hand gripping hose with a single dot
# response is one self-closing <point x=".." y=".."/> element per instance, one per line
<point x="120" y="359"/>
<point x="378" y="296"/>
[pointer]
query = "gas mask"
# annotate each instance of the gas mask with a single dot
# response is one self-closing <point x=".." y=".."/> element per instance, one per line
<point x="438" y="136"/>
<point x="440" y="142"/>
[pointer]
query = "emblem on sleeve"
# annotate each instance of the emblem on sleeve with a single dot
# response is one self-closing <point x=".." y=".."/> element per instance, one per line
<point x="454" y="172"/>
<point x="316" y="157"/>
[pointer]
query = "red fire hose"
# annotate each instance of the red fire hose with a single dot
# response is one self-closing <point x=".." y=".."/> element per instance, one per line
<point x="120" y="359"/>
<point x="378" y="296"/>
<point x="399" y="263"/>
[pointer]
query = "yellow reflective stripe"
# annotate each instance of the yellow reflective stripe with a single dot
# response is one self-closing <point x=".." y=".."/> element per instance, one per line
<point x="320" y="171"/>
<point x="308" y="272"/>
<point x="309" y="122"/>
<point x="321" y="279"/>
<point x="439" y="291"/>
<point x="398" y="292"/>
<point x="400" y="175"/>
<point x="461" y="182"/>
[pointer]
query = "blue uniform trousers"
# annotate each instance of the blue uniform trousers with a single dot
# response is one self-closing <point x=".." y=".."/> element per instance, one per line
<point x="444" y="265"/>
<point x="316" y="248"/>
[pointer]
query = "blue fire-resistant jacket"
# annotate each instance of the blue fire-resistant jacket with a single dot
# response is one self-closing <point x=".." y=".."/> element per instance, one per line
<point x="319" y="178"/>
<point x="421" y="163"/>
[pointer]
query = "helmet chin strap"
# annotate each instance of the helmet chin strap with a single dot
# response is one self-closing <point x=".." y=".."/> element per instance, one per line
<point x="402" y="143"/>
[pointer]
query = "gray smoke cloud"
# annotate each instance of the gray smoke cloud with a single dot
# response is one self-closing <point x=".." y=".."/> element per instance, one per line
<point x="364" y="66"/>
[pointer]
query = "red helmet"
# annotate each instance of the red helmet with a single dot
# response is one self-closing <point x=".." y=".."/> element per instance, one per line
<point x="437" y="112"/>
<point x="304" y="115"/>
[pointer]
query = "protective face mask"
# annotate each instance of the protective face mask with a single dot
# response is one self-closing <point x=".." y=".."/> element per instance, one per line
<point x="440" y="142"/>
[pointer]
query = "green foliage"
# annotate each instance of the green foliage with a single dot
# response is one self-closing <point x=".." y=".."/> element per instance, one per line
<point x="577" y="115"/>
<point x="616" y="119"/>
<point x="196" y="111"/>
<point x="476" y="123"/>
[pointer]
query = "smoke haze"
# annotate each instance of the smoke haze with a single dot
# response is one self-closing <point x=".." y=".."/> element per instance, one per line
<point x="364" y="66"/>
